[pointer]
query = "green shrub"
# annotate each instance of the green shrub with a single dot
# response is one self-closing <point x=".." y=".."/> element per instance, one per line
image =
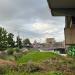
<point x="16" y="49"/>
<point x="71" y="51"/>
<point x="30" y="67"/>
<point x="4" y="69"/>
<point x="10" y="51"/>
<point x="56" y="73"/>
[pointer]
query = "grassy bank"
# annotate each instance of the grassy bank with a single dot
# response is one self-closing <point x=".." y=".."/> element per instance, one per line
<point x="36" y="57"/>
<point x="40" y="63"/>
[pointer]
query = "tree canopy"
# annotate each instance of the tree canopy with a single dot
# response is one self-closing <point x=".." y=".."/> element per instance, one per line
<point x="19" y="42"/>
<point x="11" y="42"/>
<point x="7" y="40"/>
<point x="3" y="38"/>
<point x="26" y="42"/>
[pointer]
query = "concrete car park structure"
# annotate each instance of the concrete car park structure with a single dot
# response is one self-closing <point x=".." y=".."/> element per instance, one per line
<point x="65" y="8"/>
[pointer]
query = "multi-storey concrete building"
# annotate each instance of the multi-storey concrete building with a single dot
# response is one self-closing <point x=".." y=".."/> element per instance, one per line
<point x="65" y="8"/>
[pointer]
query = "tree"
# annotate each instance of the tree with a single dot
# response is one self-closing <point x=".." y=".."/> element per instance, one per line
<point x="3" y="38"/>
<point x="10" y="40"/>
<point x="26" y="43"/>
<point x="19" y="42"/>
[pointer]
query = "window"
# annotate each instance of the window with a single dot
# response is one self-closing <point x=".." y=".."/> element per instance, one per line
<point x="73" y="20"/>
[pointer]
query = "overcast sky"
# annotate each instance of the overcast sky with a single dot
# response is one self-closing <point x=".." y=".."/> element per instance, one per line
<point x="31" y="19"/>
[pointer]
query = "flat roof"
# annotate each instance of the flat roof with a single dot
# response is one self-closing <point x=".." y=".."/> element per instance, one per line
<point x="62" y="3"/>
<point x="62" y="7"/>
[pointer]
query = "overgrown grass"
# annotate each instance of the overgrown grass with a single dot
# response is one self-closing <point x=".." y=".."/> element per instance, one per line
<point x="41" y="63"/>
<point x="36" y="73"/>
<point x="36" y="57"/>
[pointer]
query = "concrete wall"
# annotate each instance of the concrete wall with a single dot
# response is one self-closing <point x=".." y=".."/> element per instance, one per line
<point x="69" y="36"/>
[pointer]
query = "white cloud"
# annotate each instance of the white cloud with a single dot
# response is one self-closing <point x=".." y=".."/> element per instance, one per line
<point x="49" y="30"/>
<point x="45" y="27"/>
<point x="40" y="26"/>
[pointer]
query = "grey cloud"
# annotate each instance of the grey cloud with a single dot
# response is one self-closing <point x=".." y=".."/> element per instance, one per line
<point x="19" y="15"/>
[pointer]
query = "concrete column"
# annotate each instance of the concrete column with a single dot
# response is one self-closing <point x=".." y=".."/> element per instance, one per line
<point x="69" y="30"/>
<point x="67" y="21"/>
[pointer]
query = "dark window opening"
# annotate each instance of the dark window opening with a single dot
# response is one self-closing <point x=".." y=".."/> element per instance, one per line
<point x="73" y="20"/>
